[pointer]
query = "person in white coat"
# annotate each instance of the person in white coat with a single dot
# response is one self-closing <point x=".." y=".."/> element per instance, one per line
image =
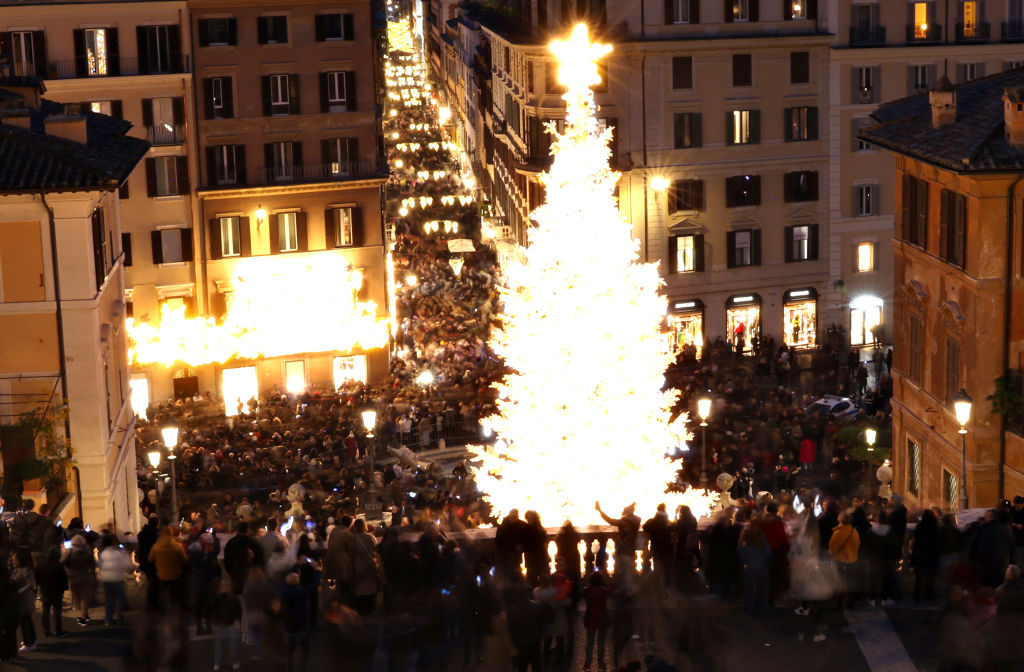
<point x="114" y="565"/>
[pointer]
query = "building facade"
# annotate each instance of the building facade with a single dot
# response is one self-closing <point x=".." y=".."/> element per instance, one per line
<point x="63" y="356"/>
<point x="959" y="186"/>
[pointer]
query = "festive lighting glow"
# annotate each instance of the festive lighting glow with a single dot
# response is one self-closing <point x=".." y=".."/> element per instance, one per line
<point x="456" y="264"/>
<point x="280" y="305"/>
<point x="582" y="418"/>
<point x="660" y="183"/>
<point x="425" y="378"/>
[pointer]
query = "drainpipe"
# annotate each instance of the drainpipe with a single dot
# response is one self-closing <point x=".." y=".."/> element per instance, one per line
<point x="60" y="340"/>
<point x="1007" y="312"/>
<point x="643" y="139"/>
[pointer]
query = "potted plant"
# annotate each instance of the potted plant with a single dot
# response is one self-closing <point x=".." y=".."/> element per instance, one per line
<point x="31" y="471"/>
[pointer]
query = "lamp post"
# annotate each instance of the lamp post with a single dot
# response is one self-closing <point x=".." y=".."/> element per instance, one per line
<point x="962" y="409"/>
<point x="870" y="434"/>
<point x="154" y="461"/>
<point x="170" y="435"/>
<point x="371" y="506"/>
<point x="704" y="411"/>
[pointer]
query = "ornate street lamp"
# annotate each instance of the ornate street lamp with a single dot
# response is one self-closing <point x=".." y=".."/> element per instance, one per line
<point x="704" y="411"/>
<point x="170" y="436"/>
<point x="962" y="403"/>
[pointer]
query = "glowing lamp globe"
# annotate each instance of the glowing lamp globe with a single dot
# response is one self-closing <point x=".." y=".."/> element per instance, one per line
<point x="425" y="378"/>
<point x="869" y="436"/>
<point x="660" y="183"/>
<point x="154" y="458"/>
<point x="962" y="407"/>
<point x="369" y="419"/>
<point x="170" y="436"/>
<point x="704" y="407"/>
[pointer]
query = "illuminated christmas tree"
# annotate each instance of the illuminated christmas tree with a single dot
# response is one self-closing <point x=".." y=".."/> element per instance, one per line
<point x="583" y="415"/>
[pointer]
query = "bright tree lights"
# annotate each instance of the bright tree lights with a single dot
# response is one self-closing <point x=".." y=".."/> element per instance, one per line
<point x="583" y="417"/>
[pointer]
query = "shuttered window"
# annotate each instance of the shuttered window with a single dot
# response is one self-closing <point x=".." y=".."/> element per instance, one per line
<point x="915" y="350"/>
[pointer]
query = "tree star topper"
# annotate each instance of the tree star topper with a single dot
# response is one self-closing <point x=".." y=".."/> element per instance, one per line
<point x="578" y="57"/>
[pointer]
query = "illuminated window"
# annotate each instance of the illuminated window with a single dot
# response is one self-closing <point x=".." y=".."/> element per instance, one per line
<point x="101" y="106"/>
<point x="685" y="254"/>
<point x="349" y="370"/>
<point x="951" y="489"/>
<point x="865" y="257"/>
<point x="921" y="20"/>
<point x="295" y="376"/>
<point x="741" y="10"/>
<point x="344" y="235"/>
<point x="23" y="54"/>
<point x="914" y="475"/>
<point x="743" y="127"/>
<point x="96" y="51"/>
<point x="230" y="237"/>
<point x="798" y="9"/>
<point x="865" y="315"/>
<point x="288" y="231"/>
<point x="970" y="19"/>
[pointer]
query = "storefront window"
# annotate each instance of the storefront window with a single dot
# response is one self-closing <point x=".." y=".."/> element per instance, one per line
<point x="865" y="314"/>
<point x="687" y="328"/>
<point x="800" y="318"/>
<point x="349" y="369"/>
<point x="743" y="321"/>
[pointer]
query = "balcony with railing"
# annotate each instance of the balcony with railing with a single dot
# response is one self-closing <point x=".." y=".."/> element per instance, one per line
<point x="165" y="134"/>
<point x="866" y="36"/>
<point x="319" y="172"/>
<point x="126" y="66"/>
<point x="976" y="32"/>
<point x="1013" y="31"/>
<point x="928" y="34"/>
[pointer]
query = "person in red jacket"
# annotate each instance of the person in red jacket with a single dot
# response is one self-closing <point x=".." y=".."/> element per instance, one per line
<point x="774" y="529"/>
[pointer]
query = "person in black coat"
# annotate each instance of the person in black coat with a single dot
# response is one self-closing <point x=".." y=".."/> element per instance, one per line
<point x="52" y="580"/>
<point x="240" y="553"/>
<point x="535" y="548"/>
<point x="148" y="536"/>
<point x="925" y="548"/>
<point x="10" y="616"/>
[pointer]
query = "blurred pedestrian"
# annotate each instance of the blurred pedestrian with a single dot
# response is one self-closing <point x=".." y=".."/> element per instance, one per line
<point x="25" y="580"/>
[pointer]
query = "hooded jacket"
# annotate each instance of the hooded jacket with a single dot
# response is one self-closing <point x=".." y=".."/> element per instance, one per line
<point x="169" y="556"/>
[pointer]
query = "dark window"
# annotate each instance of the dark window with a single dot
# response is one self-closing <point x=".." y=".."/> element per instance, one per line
<point x="688" y="130"/>
<point x="952" y="370"/>
<point x="280" y="94"/>
<point x="799" y="67"/>
<point x="167" y="176"/>
<point x="742" y="190"/>
<point x="159" y="49"/>
<point x="914" y="211"/>
<point x="687" y="195"/>
<point x="126" y="246"/>
<point x="801" y="186"/>
<point x="218" y="98"/>
<point x="744" y="248"/>
<point x="217" y="32"/>
<point x="99" y="248"/>
<point x="953" y="228"/>
<point x="343" y="227"/>
<point x="340" y="156"/>
<point x="801" y="242"/>
<point x="337" y="91"/>
<point x="742" y="70"/>
<point x="682" y="72"/>
<point x="915" y="350"/>
<point x="272" y="29"/>
<point x="333" y="27"/>
<point x="171" y="246"/>
<point x="682" y="11"/>
<point x="740" y="11"/>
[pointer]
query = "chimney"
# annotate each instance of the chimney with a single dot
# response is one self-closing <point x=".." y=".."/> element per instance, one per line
<point x="69" y="128"/>
<point x="1013" y="115"/>
<point x="943" y="102"/>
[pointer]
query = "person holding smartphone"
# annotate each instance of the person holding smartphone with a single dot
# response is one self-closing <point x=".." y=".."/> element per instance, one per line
<point x="114" y="566"/>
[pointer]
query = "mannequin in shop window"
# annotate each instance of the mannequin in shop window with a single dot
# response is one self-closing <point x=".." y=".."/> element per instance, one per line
<point x="796" y="329"/>
<point x="740" y="334"/>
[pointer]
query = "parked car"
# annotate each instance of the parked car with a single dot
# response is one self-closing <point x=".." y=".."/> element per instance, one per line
<point x="834" y="407"/>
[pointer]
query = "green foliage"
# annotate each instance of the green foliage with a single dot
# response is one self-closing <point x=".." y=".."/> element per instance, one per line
<point x="32" y="467"/>
<point x="1008" y="398"/>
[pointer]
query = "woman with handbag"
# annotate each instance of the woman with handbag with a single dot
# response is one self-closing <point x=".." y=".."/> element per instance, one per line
<point x="844" y="546"/>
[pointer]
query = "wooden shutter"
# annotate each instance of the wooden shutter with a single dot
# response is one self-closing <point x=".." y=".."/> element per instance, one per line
<point x="261" y="29"/>
<point x="117" y="109"/>
<point x="698" y="251"/>
<point x="294" y="102"/>
<point x="787" y="124"/>
<point x="297" y="157"/>
<point x="113" y="52"/>
<point x="228" y="110"/>
<point x="755" y="127"/>
<point x="5" y="45"/>
<point x="694" y="11"/>
<point x="147" y="112"/>
<point x="203" y="30"/>
<point x="960" y="230"/>
<point x="151" y="177"/>
<point x="81" y="60"/>
<point x="215" y="242"/>
<point x="755" y="185"/>
<point x="812" y="186"/>
<point x="302" y="227"/>
<point x="944" y="214"/>
<point x="358" y="228"/>
<point x="787" y="187"/>
<point x="123" y="190"/>
<point x="698" y="192"/>
<point x="696" y="129"/>
<point x="755" y="240"/>
<point x="39" y="53"/>
<point x="348" y="30"/>
<point x="730" y="192"/>
<point x="730" y="248"/>
<point x="265" y="84"/>
<point x="156" y="241"/>
<point x="906" y="224"/>
<point x="186" y="244"/>
<point x="728" y="10"/>
<point x="126" y="246"/>
<point x="318" y="27"/>
<point x="208" y="97"/>
<point x="787" y="10"/>
<point x="211" y="166"/>
<point x="729" y="138"/>
<point x="673" y="253"/>
<point x="325" y="105"/>
<point x="755" y="11"/>
<point x="330" y="228"/>
<point x="178" y="110"/>
<point x="268" y="159"/>
<point x="174" y="47"/>
<point x="181" y="164"/>
<point x="669" y="12"/>
<point x="241" y="172"/>
<point x="812" y="242"/>
<point x="232" y="31"/>
<point x="350" y="91"/>
<point x="281" y="29"/>
<point x="275" y="234"/>
<point x="812" y="123"/>
<point x="244" y="237"/>
<point x="787" y="244"/>
<point x="679" y="130"/>
<point x="812" y="9"/>
<point x="922" y="213"/>
<point x="876" y="83"/>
